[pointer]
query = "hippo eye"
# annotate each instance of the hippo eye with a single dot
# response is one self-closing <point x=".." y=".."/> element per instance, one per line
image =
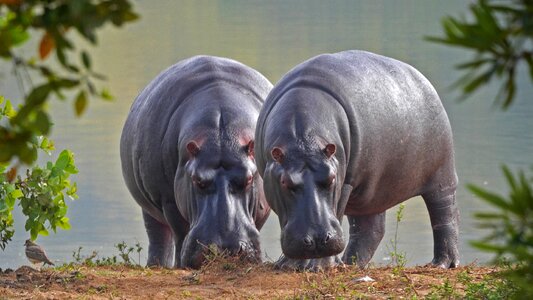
<point x="328" y="182"/>
<point x="201" y="184"/>
<point x="240" y="185"/>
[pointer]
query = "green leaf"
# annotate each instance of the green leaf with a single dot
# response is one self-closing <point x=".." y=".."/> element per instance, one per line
<point x="509" y="176"/>
<point x="489" y="197"/>
<point x="47" y="145"/>
<point x="529" y="59"/>
<point x="63" y="223"/>
<point x="487" y="247"/>
<point x="9" y="111"/>
<point x="86" y="59"/>
<point x="67" y="83"/>
<point x="41" y="125"/>
<point x="488" y="216"/>
<point x="81" y="103"/>
<point x="72" y="190"/>
<point x="3" y="208"/>
<point x="473" y="64"/>
<point x="62" y="161"/>
<point x="98" y="76"/>
<point x="43" y="232"/>
<point x="476" y="82"/>
<point x="510" y="89"/>
<point x="106" y="95"/>
<point x="16" y="194"/>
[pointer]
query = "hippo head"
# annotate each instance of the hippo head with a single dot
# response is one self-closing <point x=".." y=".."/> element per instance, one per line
<point x="303" y="188"/>
<point x="220" y="194"/>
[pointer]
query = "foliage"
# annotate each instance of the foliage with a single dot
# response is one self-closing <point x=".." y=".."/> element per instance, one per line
<point x="492" y="286"/>
<point x="511" y="227"/>
<point x="124" y="252"/>
<point x="501" y="33"/>
<point x="54" y="20"/>
<point x="40" y="193"/>
<point x="447" y="290"/>
<point x="23" y="130"/>
<point x="398" y="258"/>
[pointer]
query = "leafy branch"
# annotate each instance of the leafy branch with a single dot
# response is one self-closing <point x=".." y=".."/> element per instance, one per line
<point x="55" y="20"/>
<point x="501" y="34"/>
<point x="24" y="128"/>
<point x="511" y="227"/>
<point x="40" y="193"/>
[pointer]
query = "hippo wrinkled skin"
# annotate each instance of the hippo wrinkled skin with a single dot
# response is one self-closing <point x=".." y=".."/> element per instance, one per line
<point x="354" y="133"/>
<point x="188" y="160"/>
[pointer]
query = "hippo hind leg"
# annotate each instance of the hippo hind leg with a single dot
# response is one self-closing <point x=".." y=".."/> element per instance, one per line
<point x="444" y="217"/>
<point x="160" y="247"/>
<point x="366" y="233"/>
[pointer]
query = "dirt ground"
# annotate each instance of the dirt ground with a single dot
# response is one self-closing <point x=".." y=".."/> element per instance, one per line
<point x="228" y="280"/>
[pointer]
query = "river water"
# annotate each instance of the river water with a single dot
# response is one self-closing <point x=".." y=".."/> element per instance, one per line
<point x="272" y="37"/>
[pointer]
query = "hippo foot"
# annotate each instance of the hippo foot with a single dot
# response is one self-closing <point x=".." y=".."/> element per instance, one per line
<point x="446" y="254"/>
<point x="444" y="262"/>
<point x="313" y="265"/>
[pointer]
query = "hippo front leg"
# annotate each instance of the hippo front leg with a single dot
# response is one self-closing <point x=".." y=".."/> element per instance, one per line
<point x="313" y="265"/>
<point x="444" y="217"/>
<point x="366" y="233"/>
<point x="159" y="242"/>
<point x="179" y="228"/>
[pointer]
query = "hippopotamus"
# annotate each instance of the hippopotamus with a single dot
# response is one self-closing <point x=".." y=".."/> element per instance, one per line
<point x="354" y="133"/>
<point x="187" y="153"/>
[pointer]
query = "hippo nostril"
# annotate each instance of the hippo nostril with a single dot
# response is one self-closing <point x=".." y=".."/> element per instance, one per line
<point x="244" y="248"/>
<point x="328" y="237"/>
<point x="308" y="241"/>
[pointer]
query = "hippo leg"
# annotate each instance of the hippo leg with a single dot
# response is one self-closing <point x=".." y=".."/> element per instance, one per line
<point x="160" y="242"/>
<point x="314" y="265"/>
<point x="444" y="217"/>
<point x="179" y="229"/>
<point x="366" y="233"/>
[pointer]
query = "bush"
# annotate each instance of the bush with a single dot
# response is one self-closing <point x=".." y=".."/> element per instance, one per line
<point x="511" y="229"/>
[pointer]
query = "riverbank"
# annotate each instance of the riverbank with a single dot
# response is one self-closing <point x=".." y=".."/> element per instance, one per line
<point x="229" y="280"/>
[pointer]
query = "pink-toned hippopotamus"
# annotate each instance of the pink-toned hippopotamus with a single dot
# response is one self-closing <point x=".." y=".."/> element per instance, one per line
<point x="354" y="133"/>
<point x="188" y="160"/>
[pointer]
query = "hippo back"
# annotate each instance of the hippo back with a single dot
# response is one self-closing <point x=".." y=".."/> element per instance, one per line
<point x="396" y="122"/>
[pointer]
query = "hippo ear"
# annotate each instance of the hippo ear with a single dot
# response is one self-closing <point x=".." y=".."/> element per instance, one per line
<point x="277" y="154"/>
<point x="250" y="149"/>
<point x="193" y="148"/>
<point x="330" y="150"/>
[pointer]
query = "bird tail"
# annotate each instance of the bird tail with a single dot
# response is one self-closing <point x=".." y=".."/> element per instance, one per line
<point x="49" y="262"/>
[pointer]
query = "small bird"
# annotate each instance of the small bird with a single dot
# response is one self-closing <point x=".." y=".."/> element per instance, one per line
<point x="36" y="253"/>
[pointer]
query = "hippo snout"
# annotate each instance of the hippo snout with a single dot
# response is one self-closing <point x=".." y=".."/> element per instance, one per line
<point x="298" y="243"/>
<point x="245" y="251"/>
<point x="198" y="248"/>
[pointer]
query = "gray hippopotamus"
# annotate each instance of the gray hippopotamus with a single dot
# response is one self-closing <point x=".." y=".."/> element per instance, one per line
<point x="354" y="133"/>
<point x="188" y="160"/>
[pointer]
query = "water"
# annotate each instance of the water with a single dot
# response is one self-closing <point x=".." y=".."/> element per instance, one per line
<point x="272" y="37"/>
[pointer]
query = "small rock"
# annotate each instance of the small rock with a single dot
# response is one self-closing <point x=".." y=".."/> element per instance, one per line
<point x="364" y="279"/>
